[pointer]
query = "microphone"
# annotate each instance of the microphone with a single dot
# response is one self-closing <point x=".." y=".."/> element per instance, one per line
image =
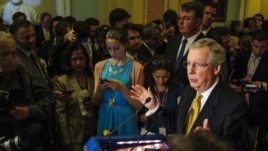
<point x="141" y="138"/>
<point x="108" y="133"/>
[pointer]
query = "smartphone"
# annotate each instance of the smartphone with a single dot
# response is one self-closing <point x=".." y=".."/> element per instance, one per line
<point x="104" y="80"/>
<point x="87" y="99"/>
<point x="68" y="92"/>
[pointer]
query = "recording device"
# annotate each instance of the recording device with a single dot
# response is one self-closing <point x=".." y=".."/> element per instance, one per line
<point x="15" y="143"/>
<point x="68" y="92"/>
<point x="246" y="87"/>
<point x="86" y="99"/>
<point x="21" y="132"/>
<point x="109" y="133"/>
<point x="152" y="149"/>
<point x="9" y="99"/>
<point x="104" y="80"/>
<point x="250" y="88"/>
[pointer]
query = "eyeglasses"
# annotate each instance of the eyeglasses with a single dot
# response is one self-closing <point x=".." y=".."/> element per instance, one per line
<point x="185" y="18"/>
<point x="163" y="61"/>
<point x="196" y="66"/>
<point x="7" y="56"/>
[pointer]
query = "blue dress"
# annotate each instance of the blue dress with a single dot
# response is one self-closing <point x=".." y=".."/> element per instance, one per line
<point x="111" y="115"/>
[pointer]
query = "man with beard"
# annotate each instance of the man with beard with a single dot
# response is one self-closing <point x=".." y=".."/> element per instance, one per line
<point x="24" y="34"/>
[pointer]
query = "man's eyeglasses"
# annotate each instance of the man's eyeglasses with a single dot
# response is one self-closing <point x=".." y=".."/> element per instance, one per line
<point x="7" y="56"/>
<point x="196" y="66"/>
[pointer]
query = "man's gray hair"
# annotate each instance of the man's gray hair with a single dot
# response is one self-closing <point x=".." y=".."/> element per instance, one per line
<point x="4" y="37"/>
<point x="216" y="52"/>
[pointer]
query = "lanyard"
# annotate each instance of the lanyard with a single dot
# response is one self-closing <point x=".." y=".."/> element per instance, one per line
<point x="162" y="101"/>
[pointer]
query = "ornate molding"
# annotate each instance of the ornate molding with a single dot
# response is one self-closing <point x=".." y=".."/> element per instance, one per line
<point x="167" y="5"/>
<point x="145" y="4"/>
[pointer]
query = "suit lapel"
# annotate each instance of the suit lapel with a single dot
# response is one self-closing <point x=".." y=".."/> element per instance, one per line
<point x="186" y="101"/>
<point x="208" y="111"/>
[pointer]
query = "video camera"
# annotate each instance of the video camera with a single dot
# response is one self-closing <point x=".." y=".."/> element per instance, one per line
<point x="9" y="99"/>
<point x="15" y="143"/>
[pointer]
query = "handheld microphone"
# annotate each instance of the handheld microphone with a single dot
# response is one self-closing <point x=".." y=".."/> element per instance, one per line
<point x="109" y="133"/>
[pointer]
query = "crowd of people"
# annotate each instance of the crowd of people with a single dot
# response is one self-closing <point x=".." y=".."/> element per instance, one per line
<point x="64" y="81"/>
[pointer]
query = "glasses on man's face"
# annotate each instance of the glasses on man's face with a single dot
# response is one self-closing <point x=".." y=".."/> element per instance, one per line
<point x="196" y="66"/>
<point x="7" y="56"/>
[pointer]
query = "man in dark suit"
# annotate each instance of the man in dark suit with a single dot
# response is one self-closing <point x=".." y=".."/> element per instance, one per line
<point x="43" y="31"/>
<point x="256" y="76"/>
<point x="190" y="19"/>
<point x="24" y="34"/>
<point x="151" y="35"/>
<point x="210" y="10"/>
<point x="220" y="111"/>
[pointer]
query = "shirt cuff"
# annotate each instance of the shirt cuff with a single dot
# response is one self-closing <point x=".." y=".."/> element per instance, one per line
<point x="264" y="86"/>
<point x="150" y="112"/>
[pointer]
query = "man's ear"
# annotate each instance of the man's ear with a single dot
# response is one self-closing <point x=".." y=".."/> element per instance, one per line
<point x="217" y="69"/>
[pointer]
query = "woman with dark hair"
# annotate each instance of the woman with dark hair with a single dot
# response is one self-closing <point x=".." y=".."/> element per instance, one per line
<point x="113" y="80"/>
<point x="160" y="77"/>
<point x="76" y="115"/>
<point x="82" y="32"/>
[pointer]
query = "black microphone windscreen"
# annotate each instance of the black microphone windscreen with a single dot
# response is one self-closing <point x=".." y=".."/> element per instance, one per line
<point x="148" y="100"/>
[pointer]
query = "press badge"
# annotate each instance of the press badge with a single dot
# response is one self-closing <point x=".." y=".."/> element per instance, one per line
<point x="162" y="130"/>
<point x="112" y="102"/>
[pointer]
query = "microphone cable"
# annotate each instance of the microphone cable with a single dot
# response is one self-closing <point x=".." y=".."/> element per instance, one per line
<point x="146" y="132"/>
<point x="147" y="100"/>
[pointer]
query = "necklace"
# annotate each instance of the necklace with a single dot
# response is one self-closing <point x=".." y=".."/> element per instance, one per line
<point x="162" y="101"/>
<point x="116" y="71"/>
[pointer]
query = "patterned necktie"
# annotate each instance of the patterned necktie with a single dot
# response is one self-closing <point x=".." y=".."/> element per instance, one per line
<point x="93" y="47"/>
<point x="38" y="65"/>
<point x="193" y="112"/>
<point x="179" y="59"/>
<point x="251" y="66"/>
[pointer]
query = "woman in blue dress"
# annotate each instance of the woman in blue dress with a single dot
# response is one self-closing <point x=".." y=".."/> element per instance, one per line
<point x="160" y="77"/>
<point x="113" y="80"/>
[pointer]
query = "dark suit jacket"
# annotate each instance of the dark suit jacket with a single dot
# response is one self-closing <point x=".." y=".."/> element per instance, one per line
<point x="172" y="48"/>
<point x="258" y="102"/>
<point x="24" y="60"/>
<point x="225" y="109"/>
<point x="143" y="54"/>
<point x="40" y="38"/>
